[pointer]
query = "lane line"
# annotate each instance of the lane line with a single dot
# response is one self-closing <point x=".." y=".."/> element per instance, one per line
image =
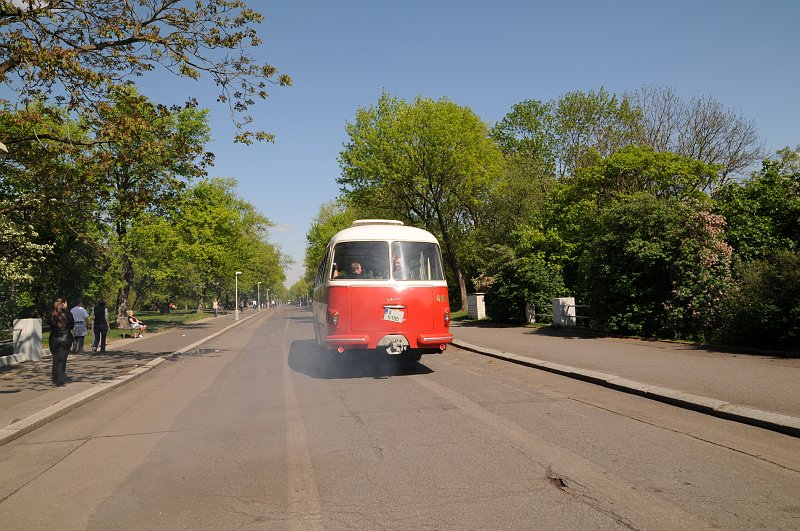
<point x="301" y="486"/>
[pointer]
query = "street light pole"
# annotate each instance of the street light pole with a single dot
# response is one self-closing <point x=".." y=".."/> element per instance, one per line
<point x="236" y="297"/>
<point x="258" y="296"/>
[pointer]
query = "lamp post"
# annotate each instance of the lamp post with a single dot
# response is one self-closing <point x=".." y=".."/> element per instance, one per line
<point x="258" y="296"/>
<point x="236" y="298"/>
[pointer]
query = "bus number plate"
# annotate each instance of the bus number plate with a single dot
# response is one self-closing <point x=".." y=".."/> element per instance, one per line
<point x="391" y="314"/>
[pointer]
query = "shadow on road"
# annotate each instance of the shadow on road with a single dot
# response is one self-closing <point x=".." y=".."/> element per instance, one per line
<point x="35" y="375"/>
<point x="306" y="358"/>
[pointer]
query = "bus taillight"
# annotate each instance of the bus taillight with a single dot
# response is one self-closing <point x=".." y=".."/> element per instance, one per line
<point x="446" y="318"/>
<point x="333" y="318"/>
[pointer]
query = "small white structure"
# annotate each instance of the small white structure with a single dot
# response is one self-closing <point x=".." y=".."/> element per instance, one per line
<point x="476" y="309"/>
<point x="530" y="313"/>
<point x="27" y="337"/>
<point x="564" y="311"/>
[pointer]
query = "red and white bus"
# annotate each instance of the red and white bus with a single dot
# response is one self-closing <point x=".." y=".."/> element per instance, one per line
<point x="380" y="285"/>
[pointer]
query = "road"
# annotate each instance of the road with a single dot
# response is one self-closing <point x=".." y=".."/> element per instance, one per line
<point x="258" y="430"/>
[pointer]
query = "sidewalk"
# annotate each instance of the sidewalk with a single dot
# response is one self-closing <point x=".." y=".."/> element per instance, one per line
<point x="28" y="399"/>
<point x="758" y="389"/>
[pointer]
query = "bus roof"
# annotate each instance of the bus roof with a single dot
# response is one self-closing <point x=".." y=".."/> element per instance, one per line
<point x="382" y="229"/>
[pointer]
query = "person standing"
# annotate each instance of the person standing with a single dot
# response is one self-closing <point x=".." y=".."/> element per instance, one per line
<point x="215" y="306"/>
<point x="100" y="326"/>
<point x="79" y="315"/>
<point x="61" y="325"/>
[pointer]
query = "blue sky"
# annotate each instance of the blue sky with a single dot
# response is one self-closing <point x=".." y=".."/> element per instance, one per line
<point x="486" y="56"/>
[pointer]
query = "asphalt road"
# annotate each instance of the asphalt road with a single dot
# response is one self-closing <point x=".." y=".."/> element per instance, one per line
<point x="259" y="430"/>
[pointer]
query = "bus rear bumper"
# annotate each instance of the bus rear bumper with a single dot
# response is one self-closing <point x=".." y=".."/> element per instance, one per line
<point x="363" y="341"/>
<point x="435" y="340"/>
<point x="347" y="341"/>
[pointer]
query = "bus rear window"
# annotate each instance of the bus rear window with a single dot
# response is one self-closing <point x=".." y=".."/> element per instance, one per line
<point x="361" y="260"/>
<point x="416" y="261"/>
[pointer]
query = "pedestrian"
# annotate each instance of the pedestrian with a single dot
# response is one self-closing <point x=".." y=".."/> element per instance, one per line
<point x="61" y="325"/>
<point x="241" y="306"/>
<point x="80" y="316"/>
<point x="100" y="326"/>
<point x="215" y="306"/>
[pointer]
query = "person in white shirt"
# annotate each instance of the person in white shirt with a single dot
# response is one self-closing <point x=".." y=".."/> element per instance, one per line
<point x="80" y="315"/>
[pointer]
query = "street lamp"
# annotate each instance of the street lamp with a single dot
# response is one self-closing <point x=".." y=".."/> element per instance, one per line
<point x="258" y="295"/>
<point x="236" y="298"/>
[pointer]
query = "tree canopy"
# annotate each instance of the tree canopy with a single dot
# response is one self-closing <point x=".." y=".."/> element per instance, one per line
<point x="74" y="53"/>
<point x="429" y="163"/>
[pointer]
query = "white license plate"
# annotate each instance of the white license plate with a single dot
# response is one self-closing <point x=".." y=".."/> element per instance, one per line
<point x="391" y="314"/>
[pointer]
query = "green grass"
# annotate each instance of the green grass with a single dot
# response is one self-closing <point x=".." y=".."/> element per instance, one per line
<point x="459" y="316"/>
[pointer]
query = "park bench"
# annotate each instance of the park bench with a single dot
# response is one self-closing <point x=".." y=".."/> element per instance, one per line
<point x="127" y="329"/>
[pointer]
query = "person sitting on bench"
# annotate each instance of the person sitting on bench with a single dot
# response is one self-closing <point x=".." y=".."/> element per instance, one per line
<point x="136" y="323"/>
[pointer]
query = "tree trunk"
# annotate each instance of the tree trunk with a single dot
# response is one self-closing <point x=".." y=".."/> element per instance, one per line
<point x="462" y="287"/>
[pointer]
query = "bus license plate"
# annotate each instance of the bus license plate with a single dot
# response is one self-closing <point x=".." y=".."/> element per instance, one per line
<point x="391" y="314"/>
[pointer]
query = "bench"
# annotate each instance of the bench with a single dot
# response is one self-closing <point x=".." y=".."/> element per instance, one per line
<point x="127" y="329"/>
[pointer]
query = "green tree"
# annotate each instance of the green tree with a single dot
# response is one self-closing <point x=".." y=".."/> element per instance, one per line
<point x="193" y="251"/>
<point x="49" y="230"/>
<point x="764" y="309"/>
<point x="521" y="274"/>
<point x="76" y="52"/>
<point x="429" y="163"/>
<point x="763" y="212"/>
<point x="330" y="219"/>
<point x="145" y="154"/>
<point x="657" y="267"/>
<point x="592" y="125"/>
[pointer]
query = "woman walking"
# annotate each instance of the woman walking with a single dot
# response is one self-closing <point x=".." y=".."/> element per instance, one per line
<point x="61" y="325"/>
<point x="100" y="326"/>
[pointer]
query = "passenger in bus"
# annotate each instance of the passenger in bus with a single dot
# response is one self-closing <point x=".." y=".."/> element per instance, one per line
<point x="356" y="271"/>
<point x="400" y="270"/>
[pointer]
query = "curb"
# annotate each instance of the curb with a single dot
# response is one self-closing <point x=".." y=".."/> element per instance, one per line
<point x="31" y="422"/>
<point x="710" y="406"/>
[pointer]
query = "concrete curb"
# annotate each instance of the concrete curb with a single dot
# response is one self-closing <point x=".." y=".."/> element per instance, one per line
<point x="31" y="422"/>
<point x="711" y="406"/>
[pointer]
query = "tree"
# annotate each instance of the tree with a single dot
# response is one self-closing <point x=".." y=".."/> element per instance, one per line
<point x="520" y="274"/>
<point x="193" y="250"/>
<point x="144" y="155"/>
<point x="428" y="163"/>
<point x="76" y="52"/>
<point x="49" y="230"/>
<point x="763" y="212"/>
<point x="764" y="309"/>
<point x="657" y="267"/>
<point x="700" y="129"/>
<point x="591" y="125"/>
<point x="330" y="219"/>
<point x="634" y="169"/>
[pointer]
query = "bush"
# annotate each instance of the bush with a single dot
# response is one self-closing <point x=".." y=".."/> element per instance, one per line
<point x="517" y="278"/>
<point x="764" y="310"/>
<point x="657" y="268"/>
